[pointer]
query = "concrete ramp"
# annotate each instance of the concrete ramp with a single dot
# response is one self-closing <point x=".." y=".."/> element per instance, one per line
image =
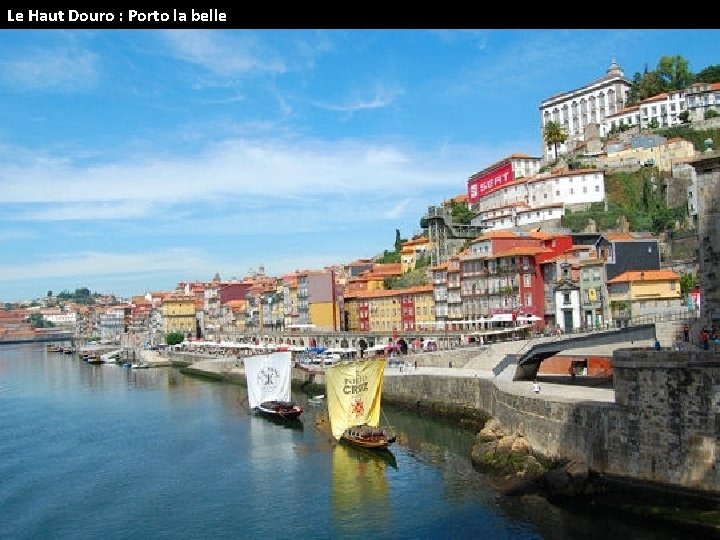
<point x="505" y="370"/>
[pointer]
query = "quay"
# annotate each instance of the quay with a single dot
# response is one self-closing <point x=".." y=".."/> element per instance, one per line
<point x="656" y="424"/>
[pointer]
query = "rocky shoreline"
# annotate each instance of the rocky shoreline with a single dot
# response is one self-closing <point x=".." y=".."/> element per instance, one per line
<point x="514" y="469"/>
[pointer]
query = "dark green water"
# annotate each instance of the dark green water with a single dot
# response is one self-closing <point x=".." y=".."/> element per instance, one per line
<point x="112" y="453"/>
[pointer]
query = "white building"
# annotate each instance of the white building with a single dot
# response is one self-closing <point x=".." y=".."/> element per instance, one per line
<point x="577" y="109"/>
<point x="483" y="187"/>
<point x="540" y="199"/>
<point x="663" y="110"/>
<point x="567" y="306"/>
<point x="111" y="324"/>
<point x="701" y="97"/>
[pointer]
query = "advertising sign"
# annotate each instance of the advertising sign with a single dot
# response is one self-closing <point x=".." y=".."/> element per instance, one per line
<point x="479" y="186"/>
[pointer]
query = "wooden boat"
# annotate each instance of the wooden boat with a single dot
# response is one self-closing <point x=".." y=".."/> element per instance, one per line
<point x="268" y="378"/>
<point x="285" y="410"/>
<point x="368" y="436"/>
<point x="354" y="391"/>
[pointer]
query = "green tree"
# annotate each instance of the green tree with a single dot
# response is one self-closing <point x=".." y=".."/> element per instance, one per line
<point x="554" y="134"/>
<point x="711" y="113"/>
<point x="38" y="321"/>
<point x="710" y="74"/>
<point x="688" y="282"/>
<point x="389" y="257"/>
<point x="684" y="116"/>
<point x="398" y="241"/>
<point x="674" y="72"/>
<point x="173" y="338"/>
<point x="460" y="213"/>
<point x="647" y="85"/>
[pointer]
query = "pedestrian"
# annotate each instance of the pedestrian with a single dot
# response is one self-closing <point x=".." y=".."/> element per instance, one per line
<point x="705" y="339"/>
<point x="686" y="332"/>
<point x="536" y="387"/>
<point x="657" y="345"/>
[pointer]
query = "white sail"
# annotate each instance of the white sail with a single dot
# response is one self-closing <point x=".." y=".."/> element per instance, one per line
<point x="268" y="377"/>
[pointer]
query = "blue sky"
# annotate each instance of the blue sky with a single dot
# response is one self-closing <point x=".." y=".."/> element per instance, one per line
<point x="134" y="159"/>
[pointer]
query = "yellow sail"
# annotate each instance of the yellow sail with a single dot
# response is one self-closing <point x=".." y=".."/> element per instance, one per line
<point x="353" y="393"/>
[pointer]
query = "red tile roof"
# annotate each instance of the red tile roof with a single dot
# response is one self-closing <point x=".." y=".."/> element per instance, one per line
<point x="645" y="275"/>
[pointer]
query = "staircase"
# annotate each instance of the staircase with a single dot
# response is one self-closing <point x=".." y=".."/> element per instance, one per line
<point x="491" y="355"/>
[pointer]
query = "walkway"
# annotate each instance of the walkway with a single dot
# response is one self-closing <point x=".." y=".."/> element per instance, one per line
<point x="548" y="391"/>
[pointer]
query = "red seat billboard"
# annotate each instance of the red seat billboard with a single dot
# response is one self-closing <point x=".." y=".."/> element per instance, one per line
<point x="479" y="186"/>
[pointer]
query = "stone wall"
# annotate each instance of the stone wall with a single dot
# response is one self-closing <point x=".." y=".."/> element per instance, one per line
<point x="664" y="427"/>
<point x="708" y="206"/>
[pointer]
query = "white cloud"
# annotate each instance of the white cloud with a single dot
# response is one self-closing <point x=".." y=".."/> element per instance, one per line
<point x="241" y="169"/>
<point x="383" y="96"/>
<point x="59" y="68"/>
<point x="99" y="263"/>
<point x="223" y="53"/>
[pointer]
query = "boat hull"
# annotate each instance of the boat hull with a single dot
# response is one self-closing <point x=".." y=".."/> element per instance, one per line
<point x="365" y="436"/>
<point x="280" y="410"/>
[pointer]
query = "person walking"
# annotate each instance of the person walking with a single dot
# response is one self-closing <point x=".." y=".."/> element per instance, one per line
<point x="686" y="332"/>
<point x="705" y="339"/>
<point x="536" y="387"/>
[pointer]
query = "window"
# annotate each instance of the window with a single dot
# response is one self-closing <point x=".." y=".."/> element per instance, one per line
<point x="527" y="280"/>
<point x="584" y="189"/>
<point x="557" y="193"/>
<point x="597" y="188"/>
<point x="528" y="299"/>
<point x="572" y="191"/>
<point x="566" y="298"/>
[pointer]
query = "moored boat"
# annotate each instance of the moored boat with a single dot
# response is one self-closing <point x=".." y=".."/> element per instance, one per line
<point x="283" y="409"/>
<point x="268" y="378"/>
<point x="354" y="391"/>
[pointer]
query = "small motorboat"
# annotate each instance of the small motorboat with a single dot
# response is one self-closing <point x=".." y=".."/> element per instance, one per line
<point x="317" y="400"/>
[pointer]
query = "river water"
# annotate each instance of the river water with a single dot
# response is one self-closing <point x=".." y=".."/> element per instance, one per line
<point x="108" y="452"/>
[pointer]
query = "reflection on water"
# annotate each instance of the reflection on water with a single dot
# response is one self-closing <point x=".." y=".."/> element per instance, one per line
<point x="110" y="452"/>
<point x="359" y="486"/>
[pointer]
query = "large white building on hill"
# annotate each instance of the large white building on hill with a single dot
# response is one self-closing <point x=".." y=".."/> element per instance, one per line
<point x="577" y="109"/>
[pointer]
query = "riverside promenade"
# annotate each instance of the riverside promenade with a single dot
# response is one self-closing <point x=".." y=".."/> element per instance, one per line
<point x="655" y="424"/>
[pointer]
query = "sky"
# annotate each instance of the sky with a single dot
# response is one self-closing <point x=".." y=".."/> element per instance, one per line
<point x="135" y="159"/>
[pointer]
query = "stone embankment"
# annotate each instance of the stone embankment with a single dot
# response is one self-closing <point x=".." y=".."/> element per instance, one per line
<point x="658" y="425"/>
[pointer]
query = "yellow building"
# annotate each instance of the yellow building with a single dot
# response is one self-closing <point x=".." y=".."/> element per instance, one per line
<point x="640" y="292"/>
<point x="178" y="314"/>
<point x="352" y="312"/>
<point x="423" y="305"/>
<point x="412" y="251"/>
<point x="395" y="310"/>
<point x="323" y="315"/>
<point x="661" y="156"/>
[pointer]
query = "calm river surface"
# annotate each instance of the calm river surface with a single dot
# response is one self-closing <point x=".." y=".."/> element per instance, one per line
<point x="108" y="452"/>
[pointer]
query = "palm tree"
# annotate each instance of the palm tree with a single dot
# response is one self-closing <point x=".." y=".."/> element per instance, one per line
<point x="554" y="134"/>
